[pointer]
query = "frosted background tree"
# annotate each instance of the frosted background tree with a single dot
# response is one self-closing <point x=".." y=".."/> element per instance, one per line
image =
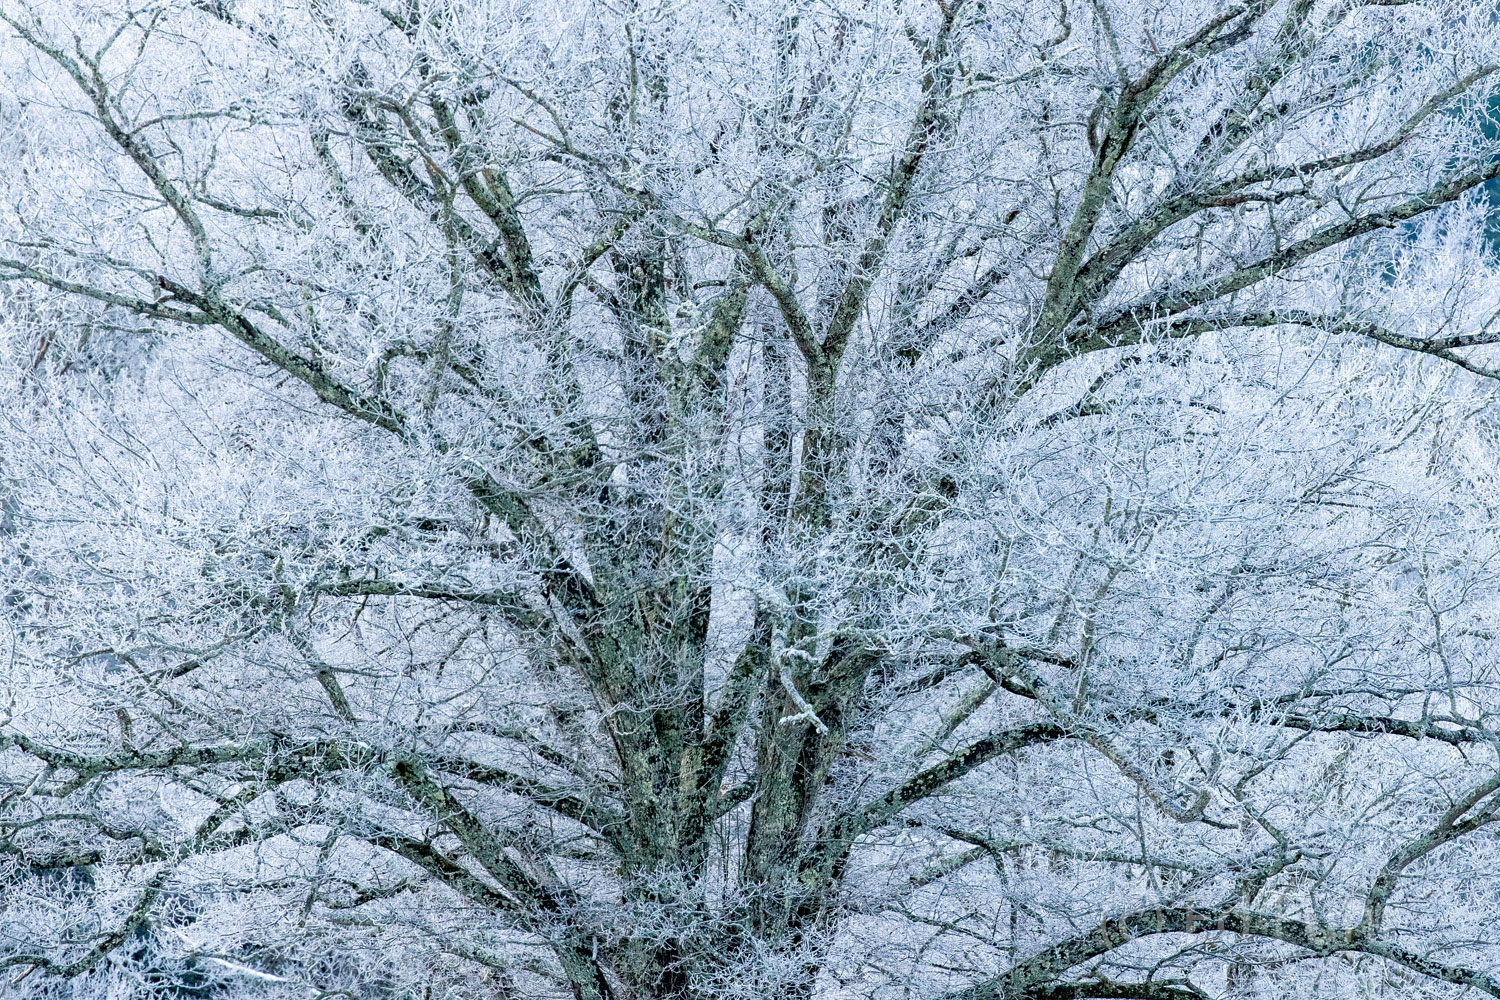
<point x="737" y="498"/>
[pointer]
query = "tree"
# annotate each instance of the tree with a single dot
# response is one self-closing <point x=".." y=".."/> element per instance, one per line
<point x="959" y="498"/>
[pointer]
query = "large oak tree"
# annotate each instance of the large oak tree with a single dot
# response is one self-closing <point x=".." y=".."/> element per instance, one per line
<point x="748" y="497"/>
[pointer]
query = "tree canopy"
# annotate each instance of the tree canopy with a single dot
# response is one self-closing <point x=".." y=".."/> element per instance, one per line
<point x="699" y="499"/>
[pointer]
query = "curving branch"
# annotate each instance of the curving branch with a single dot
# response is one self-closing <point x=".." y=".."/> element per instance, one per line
<point x="1042" y="970"/>
<point x="1463" y="817"/>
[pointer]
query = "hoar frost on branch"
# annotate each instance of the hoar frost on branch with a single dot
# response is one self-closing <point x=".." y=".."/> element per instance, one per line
<point x="948" y="499"/>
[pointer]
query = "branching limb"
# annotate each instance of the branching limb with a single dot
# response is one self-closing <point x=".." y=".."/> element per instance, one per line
<point x="1461" y="818"/>
<point x="1127" y="323"/>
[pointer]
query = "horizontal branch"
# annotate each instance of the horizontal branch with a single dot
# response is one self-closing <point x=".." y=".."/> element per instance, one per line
<point x="1031" y="976"/>
<point x="1261" y="711"/>
<point x="425" y="591"/>
<point x="281" y="756"/>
